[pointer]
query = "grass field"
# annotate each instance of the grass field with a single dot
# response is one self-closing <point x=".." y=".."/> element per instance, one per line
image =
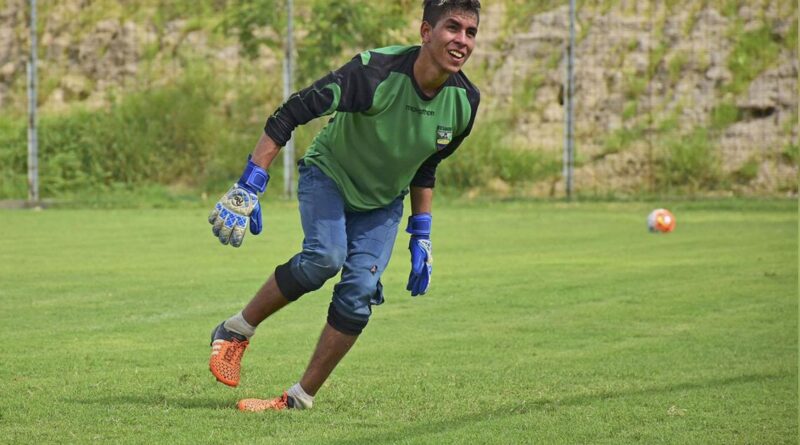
<point x="546" y="323"/>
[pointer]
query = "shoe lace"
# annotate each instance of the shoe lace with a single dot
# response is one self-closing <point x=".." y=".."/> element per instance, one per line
<point x="235" y="350"/>
<point x="283" y="401"/>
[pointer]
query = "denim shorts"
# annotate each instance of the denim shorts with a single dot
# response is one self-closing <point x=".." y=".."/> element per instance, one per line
<point x="357" y="243"/>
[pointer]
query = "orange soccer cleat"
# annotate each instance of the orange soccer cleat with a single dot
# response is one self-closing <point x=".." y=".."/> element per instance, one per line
<point x="258" y="405"/>
<point x="227" y="349"/>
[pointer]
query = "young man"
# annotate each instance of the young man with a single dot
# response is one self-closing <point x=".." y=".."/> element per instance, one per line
<point x="397" y="112"/>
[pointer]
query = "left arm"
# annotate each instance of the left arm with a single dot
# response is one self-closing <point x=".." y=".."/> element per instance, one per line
<point x="421" y="200"/>
<point x="420" y="221"/>
<point x="419" y="226"/>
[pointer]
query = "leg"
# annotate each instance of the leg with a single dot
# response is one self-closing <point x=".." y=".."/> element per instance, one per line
<point x="322" y="216"/>
<point x="371" y="238"/>
<point x="266" y="302"/>
<point x="324" y="249"/>
<point x="331" y="348"/>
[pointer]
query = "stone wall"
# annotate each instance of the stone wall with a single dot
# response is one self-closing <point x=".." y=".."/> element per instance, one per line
<point x="628" y="56"/>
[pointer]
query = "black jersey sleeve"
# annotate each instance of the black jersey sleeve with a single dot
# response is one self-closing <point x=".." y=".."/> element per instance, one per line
<point x="426" y="174"/>
<point x="349" y="88"/>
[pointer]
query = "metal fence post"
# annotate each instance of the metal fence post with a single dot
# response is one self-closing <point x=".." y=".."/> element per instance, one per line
<point x="33" y="140"/>
<point x="288" y="87"/>
<point x="569" y="134"/>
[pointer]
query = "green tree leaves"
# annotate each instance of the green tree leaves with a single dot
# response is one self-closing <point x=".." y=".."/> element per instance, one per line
<point x="324" y="30"/>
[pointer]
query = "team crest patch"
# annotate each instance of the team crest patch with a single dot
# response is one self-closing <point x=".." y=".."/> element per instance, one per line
<point x="443" y="136"/>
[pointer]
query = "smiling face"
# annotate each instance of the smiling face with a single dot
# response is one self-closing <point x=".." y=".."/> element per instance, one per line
<point x="450" y="42"/>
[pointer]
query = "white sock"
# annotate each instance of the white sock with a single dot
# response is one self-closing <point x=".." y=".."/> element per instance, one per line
<point x="239" y="325"/>
<point x="303" y="400"/>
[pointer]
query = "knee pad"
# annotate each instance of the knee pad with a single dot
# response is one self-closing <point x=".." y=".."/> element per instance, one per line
<point x="315" y="268"/>
<point x="288" y="284"/>
<point x="343" y="323"/>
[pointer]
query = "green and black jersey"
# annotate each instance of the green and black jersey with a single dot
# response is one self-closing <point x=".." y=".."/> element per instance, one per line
<point x="385" y="133"/>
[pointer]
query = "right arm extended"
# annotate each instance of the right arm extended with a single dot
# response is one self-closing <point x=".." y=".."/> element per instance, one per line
<point x="265" y="151"/>
<point x="340" y="90"/>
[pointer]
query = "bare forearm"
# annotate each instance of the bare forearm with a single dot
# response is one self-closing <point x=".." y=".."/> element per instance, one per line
<point x="421" y="200"/>
<point x="265" y="151"/>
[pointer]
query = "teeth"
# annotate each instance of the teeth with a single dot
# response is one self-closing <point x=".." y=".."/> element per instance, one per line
<point x="456" y="54"/>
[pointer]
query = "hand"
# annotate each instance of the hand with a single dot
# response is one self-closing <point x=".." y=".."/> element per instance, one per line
<point x="421" y="266"/>
<point x="230" y="215"/>
<point x="419" y="226"/>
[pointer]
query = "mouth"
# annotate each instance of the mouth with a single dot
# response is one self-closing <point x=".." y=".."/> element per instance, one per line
<point x="458" y="55"/>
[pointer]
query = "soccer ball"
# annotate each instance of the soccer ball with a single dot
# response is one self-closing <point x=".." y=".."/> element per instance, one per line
<point x="661" y="221"/>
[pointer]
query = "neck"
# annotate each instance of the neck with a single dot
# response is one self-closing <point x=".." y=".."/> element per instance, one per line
<point x="428" y="76"/>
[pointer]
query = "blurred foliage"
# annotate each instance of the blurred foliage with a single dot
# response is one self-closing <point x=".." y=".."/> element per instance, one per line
<point x="13" y="158"/>
<point x="688" y="163"/>
<point x="327" y="29"/>
<point x="791" y="153"/>
<point x="753" y="52"/>
<point x="622" y="138"/>
<point x="486" y="155"/>
<point x="723" y="115"/>
<point x="164" y="135"/>
<point x="747" y="172"/>
<point x="256" y="23"/>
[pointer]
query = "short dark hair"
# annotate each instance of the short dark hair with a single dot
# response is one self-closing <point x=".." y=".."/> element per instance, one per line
<point x="433" y="10"/>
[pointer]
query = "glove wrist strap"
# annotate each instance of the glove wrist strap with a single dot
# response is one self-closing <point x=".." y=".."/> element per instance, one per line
<point x="419" y="225"/>
<point x="254" y="178"/>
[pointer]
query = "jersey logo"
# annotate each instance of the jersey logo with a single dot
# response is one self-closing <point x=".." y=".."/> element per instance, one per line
<point x="443" y="136"/>
<point x="421" y="111"/>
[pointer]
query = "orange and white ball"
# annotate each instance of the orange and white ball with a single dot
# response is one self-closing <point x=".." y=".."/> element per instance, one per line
<point x="661" y="221"/>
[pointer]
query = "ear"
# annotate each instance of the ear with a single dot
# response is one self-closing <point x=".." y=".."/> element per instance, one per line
<point x="425" y="30"/>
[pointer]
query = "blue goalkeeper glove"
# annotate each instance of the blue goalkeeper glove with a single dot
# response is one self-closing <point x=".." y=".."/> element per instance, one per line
<point x="240" y="203"/>
<point x="419" y="226"/>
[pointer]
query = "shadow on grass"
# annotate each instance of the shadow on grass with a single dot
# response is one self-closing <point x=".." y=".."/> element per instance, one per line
<point x="160" y="402"/>
<point x="512" y="409"/>
<point x="421" y="428"/>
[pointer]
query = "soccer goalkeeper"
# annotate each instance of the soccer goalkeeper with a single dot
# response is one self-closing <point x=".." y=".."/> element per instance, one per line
<point x="396" y="113"/>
